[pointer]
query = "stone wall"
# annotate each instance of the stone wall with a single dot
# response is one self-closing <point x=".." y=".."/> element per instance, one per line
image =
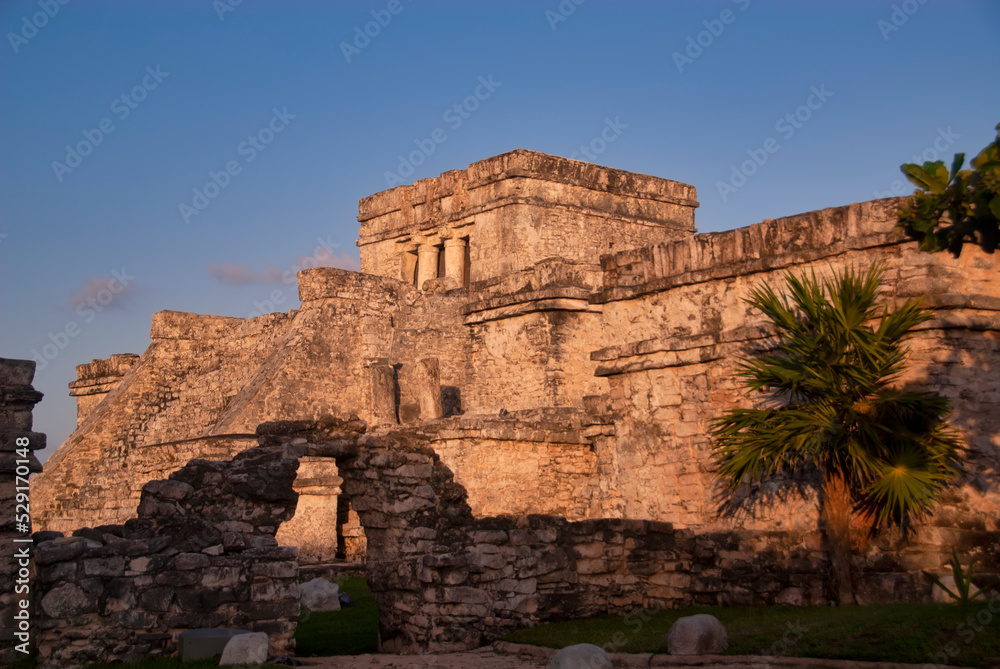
<point x="200" y="553"/>
<point x="681" y="305"/>
<point x="17" y="460"/>
<point x="528" y="462"/>
<point x="446" y="579"/>
<point x="531" y="336"/>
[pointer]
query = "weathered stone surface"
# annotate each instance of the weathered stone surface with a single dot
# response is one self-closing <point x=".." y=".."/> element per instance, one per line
<point x="245" y="649"/>
<point x="581" y="656"/>
<point x="320" y="594"/>
<point x="67" y="600"/>
<point x="17" y="460"/>
<point x="699" y="634"/>
<point x="114" y="586"/>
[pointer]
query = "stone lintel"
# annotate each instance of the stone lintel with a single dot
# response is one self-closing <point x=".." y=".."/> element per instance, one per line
<point x="521" y="307"/>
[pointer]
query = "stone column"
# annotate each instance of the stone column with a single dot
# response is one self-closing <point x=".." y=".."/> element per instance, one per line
<point x="454" y="259"/>
<point x="383" y="391"/>
<point x="427" y="388"/>
<point x="428" y="267"/>
<point x="17" y="443"/>
<point x="408" y="265"/>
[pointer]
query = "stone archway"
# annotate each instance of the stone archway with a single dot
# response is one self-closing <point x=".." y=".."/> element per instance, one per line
<point x="447" y="581"/>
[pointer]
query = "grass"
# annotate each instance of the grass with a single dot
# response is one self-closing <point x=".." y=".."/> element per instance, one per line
<point x="914" y="633"/>
<point x="350" y="631"/>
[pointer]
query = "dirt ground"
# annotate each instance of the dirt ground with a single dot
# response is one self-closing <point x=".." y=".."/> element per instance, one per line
<point x="480" y="659"/>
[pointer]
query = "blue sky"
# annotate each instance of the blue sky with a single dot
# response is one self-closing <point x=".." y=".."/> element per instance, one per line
<point x="308" y="114"/>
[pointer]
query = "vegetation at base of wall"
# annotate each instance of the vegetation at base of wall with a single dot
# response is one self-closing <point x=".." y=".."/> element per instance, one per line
<point x="350" y="631"/>
<point x="913" y="633"/>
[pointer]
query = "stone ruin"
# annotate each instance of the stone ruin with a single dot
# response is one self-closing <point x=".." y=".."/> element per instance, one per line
<point x="200" y="553"/>
<point x="557" y="335"/>
<point x="17" y="398"/>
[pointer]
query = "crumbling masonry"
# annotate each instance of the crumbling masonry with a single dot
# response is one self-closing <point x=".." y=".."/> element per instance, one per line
<point x="560" y="338"/>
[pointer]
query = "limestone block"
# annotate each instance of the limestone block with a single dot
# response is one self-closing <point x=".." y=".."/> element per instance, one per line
<point x="383" y="394"/>
<point x="320" y="594"/>
<point x="700" y="634"/>
<point x="581" y="656"/>
<point x="427" y="381"/>
<point x="245" y="649"/>
<point x="68" y="600"/>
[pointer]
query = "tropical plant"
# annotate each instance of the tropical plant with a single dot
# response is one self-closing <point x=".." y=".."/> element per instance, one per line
<point x="830" y="408"/>
<point x="952" y="207"/>
<point x="963" y="581"/>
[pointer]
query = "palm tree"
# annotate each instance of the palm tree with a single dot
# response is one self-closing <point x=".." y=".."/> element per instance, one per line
<point x="830" y="408"/>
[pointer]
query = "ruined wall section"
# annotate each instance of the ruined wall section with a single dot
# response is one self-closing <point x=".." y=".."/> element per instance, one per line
<point x="532" y="332"/>
<point x="681" y="305"/>
<point x="518" y="208"/>
<point x="172" y="395"/>
<point x="17" y="462"/>
<point x="95" y="379"/>
<point x="542" y="461"/>
<point x="429" y="326"/>
<point x="205" y="382"/>
<point x="200" y="553"/>
<point x="446" y="579"/>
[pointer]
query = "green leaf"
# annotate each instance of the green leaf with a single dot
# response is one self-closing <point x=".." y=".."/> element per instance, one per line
<point x="956" y="164"/>
<point x="931" y="176"/>
<point x="995" y="206"/>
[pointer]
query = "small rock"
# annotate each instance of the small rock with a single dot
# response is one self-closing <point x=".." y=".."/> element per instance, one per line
<point x="245" y="649"/>
<point x="581" y="656"/>
<point x="46" y="535"/>
<point x="213" y="550"/>
<point x="791" y="597"/>
<point x="700" y="634"/>
<point x="320" y="595"/>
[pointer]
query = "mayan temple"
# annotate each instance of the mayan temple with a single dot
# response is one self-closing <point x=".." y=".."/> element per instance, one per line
<point x="557" y="336"/>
